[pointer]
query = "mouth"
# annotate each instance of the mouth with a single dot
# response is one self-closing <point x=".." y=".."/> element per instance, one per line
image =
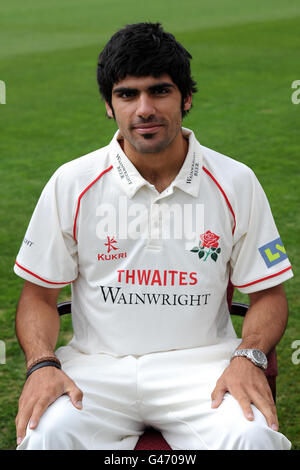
<point x="149" y="128"/>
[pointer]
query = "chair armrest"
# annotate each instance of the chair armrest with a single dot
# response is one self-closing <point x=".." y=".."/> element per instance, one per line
<point x="64" y="307"/>
<point x="237" y="308"/>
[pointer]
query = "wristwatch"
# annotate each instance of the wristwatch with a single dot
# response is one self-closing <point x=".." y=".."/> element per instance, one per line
<point x="255" y="355"/>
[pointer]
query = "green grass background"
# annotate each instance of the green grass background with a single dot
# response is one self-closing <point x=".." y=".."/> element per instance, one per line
<point x="245" y="58"/>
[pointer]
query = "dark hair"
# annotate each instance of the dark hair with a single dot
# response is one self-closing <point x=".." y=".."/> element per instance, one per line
<point x="141" y="50"/>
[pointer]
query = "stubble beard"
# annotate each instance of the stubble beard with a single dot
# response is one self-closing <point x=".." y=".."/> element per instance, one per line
<point x="143" y="147"/>
<point x="142" y="144"/>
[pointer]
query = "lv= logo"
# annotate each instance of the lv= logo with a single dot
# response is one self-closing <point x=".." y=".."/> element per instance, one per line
<point x="273" y="252"/>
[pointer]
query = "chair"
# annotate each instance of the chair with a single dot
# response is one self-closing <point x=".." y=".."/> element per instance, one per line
<point x="152" y="439"/>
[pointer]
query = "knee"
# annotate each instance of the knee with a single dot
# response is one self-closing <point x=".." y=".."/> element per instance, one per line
<point x="54" y="427"/>
<point x="256" y="435"/>
<point x="238" y="433"/>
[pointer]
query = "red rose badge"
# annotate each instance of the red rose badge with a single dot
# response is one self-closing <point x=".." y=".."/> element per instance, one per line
<point x="208" y="240"/>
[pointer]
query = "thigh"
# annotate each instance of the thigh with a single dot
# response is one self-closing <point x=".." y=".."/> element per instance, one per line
<point x="224" y="428"/>
<point x="108" y="419"/>
<point x="177" y="388"/>
<point x="63" y="427"/>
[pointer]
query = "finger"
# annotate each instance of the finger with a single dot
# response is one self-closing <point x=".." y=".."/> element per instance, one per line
<point x="268" y="409"/>
<point x="245" y="403"/>
<point x="217" y="396"/>
<point x="22" y="420"/>
<point x="38" y="410"/>
<point x="76" y="396"/>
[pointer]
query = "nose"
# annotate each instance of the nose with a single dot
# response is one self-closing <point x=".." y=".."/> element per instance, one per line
<point x="145" y="106"/>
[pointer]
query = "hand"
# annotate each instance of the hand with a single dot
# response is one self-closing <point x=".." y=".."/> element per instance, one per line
<point x="41" y="389"/>
<point x="248" y="384"/>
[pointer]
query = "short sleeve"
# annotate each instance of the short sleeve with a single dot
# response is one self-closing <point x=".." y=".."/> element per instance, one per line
<point x="48" y="255"/>
<point x="259" y="259"/>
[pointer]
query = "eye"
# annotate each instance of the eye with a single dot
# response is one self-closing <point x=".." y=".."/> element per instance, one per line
<point x="126" y="94"/>
<point x="161" y="91"/>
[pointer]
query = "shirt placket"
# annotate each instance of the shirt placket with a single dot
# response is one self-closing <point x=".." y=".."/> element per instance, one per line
<point x="155" y="221"/>
<point x="154" y="226"/>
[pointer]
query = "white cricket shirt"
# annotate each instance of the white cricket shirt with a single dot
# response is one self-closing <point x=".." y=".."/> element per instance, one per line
<point x="149" y="270"/>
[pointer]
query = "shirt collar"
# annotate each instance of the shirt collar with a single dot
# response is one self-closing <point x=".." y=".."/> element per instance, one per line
<point x="188" y="178"/>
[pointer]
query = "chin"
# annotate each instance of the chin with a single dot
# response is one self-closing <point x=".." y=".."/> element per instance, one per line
<point x="150" y="148"/>
<point x="148" y="144"/>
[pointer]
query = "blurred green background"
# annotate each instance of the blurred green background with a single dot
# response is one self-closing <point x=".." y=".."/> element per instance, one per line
<point x="245" y="58"/>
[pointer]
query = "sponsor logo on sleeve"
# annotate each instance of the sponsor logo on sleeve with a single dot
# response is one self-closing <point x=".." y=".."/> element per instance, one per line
<point x="273" y="252"/>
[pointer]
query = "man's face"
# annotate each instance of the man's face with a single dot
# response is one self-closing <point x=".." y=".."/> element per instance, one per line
<point x="148" y="111"/>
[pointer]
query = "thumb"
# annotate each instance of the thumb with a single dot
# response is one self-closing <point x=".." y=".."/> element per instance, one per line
<point x="76" y="396"/>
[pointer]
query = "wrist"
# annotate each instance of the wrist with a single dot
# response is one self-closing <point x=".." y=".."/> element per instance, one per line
<point x="256" y="356"/>
<point x="32" y="356"/>
<point x="42" y="358"/>
<point x="254" y="342"/>
<point x="51" y="361"/>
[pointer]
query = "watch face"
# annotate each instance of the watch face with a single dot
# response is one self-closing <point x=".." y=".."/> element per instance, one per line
<point x="258" y="356"/>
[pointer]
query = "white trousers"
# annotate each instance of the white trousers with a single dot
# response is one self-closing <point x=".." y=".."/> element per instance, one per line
<point x="170" y="391"/>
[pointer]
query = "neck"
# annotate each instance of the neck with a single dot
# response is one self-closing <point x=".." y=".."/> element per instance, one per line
<point x="159" y="168"/>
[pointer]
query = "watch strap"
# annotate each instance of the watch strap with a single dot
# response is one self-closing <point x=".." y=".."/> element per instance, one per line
<point x="248" y="354"/>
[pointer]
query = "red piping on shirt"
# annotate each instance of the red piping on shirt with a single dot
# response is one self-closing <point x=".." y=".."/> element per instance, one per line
<point x="225" y="197"/>
<point x="83" y="192"/>
<point x="264" y="278"/>
<point x="38" y="277"/>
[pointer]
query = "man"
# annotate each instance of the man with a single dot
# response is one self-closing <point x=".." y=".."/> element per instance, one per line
<point x="153" y="340"/>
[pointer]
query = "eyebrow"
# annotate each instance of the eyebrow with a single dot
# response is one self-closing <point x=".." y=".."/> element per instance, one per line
<point x="151" y="88"/>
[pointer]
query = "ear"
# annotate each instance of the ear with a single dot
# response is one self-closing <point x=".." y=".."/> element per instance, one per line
<point x="188" y="103"/>
<point x="109" y="110"/>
